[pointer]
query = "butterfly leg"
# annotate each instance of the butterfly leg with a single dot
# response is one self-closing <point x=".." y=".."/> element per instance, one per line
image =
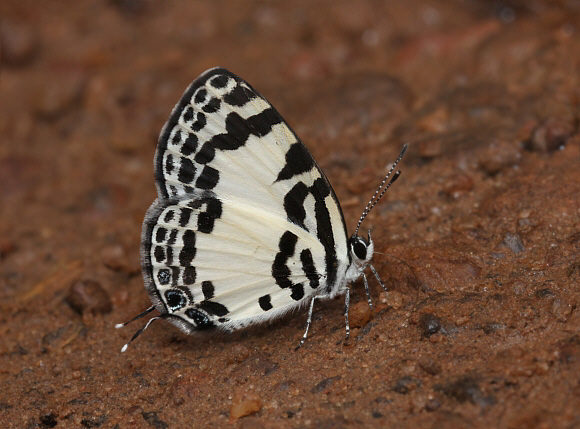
<point x="308" y="322"/>
<point x="367" y="290"/>
<point x="346" y="307"/>
<point x="378" y="278"/>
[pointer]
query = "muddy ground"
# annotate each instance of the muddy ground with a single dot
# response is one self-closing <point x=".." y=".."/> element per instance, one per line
<point x="478" y="241"/>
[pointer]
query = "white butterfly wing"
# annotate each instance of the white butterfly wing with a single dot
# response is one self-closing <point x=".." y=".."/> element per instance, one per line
<point x="246" y="226"/>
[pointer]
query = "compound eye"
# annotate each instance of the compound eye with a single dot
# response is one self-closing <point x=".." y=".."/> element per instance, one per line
<point x="360" y="249"/>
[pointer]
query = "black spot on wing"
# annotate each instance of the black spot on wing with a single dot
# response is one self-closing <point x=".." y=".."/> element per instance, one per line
<point x="294" y="204"/>
<point x="189" y="145"/>
<point x="184" y="216"/>
<point x="208" y="178"/>
<point x="169" y="216"/>
<point x="159" y="254"/>
<point x="207" y="216"/>
<point x="262" y="123"/>
<point x="187" y="252"/>
<point x="324" y="228"/>
<point x="298" y="161"/>
<point x="189" y="275"/>
<point x="188" y="114"/>
<point x="164" y="276"/>
<point x="208" y="289"/>
<point x="321" y="187"/>
<point x="287" y="243"/>
<point x="175" y="299"/>
<point x="265" y="302"/>
<point x="297" y="292"/>
<point x="200" y="96"/>
<point x="309" y="269"/>
<point x="206" y="153"/>
<point x="219" y="81"/>
<point x="200" y="121"/>
<point x="172" y="237"/>
<point x="176" y="139"/>
<point x="212" y="106"/>
<point x="168" y="163"/>
<point x="239" y="129"/>
<point x="169" y="251"/>
<point x="186" y="171"/>
<point x="174" y="275"/>
<point x="239" y="96"/>
<point x="213" y="308"/>
<point x="199" y="319"/>
<point x="237" y="132"/>
<point x="280" y="270"/>
<point x="160" y="235"/>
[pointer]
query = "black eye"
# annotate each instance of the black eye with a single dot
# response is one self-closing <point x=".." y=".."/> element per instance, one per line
<point x="175" y="299"/>
<point x="359" y="249"/>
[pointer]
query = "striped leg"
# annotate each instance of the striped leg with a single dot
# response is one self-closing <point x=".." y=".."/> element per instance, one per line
<point x="367" y="290"/>
<point x="308" y="322"/>
<point x="378" y="278"/>
<point x="346" y="307"/>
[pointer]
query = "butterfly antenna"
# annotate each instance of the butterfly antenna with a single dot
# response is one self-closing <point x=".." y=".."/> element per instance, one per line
<point x="381" y="189"/>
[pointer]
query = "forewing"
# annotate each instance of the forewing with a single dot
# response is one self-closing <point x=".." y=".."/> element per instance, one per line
<point x="246" y="226"/>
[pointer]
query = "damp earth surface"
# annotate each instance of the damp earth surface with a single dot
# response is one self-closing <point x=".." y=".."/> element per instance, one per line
<point x="478" y="241"/>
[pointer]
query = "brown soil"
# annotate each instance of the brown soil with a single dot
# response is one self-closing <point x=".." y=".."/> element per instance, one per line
<point x="483" y="227"/>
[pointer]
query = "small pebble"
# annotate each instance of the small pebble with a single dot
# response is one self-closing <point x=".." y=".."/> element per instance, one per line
<point x="244" y="403"/>
<point x="324" y="384"/>
<point x="551" y="135"/>
<point x="405" y="384"/>
<point x="499" y="155"/>
<point x="436" y="121"/>
<point x="514" y="243"/>
<point x="392" y="299"/>
<point x="238" y="354"/>
<point x="359" y="314"/>
<point x="260" y="363"/>
<point x="573" y="270"/>
<point x="458" y="185"/>
<point x="526" y="131"/>
<point x="48" y="420"/>
<point x="561" y="310"/>
<point x="62" y="93"/>
<point x="429" y="366"/>
<point x="188" y="387"/>
<point x="88" y="296"/>
<point x="19" y="44"/>
<point x="429" y="324"/>
<point x="545" y="293"/>
<point x="7" y="247"/>
<point x="432" y="404"/>
<point x="115" y="258"/>
<point x="430" y="149"/>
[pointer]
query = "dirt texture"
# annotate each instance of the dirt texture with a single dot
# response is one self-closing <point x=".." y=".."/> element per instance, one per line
<point x="478" y="241"/>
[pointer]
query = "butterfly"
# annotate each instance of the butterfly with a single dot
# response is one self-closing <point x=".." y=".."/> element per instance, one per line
<point x="246" y="227"/>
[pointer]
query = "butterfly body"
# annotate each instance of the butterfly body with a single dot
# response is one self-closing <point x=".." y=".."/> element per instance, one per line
<point x="246" y="226"/>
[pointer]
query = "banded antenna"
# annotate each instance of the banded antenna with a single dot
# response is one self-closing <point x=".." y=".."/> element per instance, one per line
<point x="381" y="189"/>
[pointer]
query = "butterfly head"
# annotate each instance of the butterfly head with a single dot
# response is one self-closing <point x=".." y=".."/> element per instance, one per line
<point x="361" y="250"/>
